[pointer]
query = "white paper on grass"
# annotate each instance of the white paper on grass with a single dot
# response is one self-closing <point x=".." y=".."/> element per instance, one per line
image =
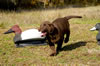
<point x="31" y="34"/>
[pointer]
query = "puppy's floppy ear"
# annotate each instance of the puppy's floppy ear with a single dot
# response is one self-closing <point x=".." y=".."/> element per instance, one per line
<point x="51" y="28"/>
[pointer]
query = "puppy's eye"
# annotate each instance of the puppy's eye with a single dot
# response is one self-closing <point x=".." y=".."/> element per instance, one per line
<point x="44" y="24"/>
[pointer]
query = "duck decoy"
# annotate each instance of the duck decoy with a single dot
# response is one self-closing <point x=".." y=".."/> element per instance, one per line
<point x="28" y="37"/>
<point x="97" y="27"/>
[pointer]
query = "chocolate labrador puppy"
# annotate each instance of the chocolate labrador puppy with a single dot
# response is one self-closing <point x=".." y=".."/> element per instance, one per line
<point x="55" y="32"/>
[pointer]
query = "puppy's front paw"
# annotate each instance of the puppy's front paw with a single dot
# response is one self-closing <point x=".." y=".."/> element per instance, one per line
<point x="53" y="54"/>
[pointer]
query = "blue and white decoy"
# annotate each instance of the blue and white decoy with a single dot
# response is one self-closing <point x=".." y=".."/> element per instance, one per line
<point x="28" y="37"/>
<point x="97" y="27"/>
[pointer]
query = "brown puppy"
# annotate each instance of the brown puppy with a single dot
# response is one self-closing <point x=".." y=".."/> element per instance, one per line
<point x="55" y="32"/>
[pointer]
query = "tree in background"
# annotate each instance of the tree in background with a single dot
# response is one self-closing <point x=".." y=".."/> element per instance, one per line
<point x="46" y="3"/>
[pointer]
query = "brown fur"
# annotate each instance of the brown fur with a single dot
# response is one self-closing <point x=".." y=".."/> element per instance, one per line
<point x="55" y="32"/>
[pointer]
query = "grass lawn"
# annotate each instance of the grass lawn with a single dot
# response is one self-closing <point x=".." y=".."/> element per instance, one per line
<point x="81" y="50"/>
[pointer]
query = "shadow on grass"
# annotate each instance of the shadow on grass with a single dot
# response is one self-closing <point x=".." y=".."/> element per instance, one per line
<point x="74" y="45"/>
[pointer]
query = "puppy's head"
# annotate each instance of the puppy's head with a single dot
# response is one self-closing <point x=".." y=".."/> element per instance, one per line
<point x="46" y="27"/>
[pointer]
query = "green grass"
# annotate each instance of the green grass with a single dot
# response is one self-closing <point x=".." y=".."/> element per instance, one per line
<point x="81" y="50"/>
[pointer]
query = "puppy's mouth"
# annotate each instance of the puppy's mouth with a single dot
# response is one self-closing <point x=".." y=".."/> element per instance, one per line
<point x="43" y="34"/>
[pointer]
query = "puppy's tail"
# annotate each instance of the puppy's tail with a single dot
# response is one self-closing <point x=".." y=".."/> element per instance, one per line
<point x="69" y="17"/>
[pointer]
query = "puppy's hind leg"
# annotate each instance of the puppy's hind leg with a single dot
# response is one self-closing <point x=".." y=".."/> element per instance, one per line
<point x="67" y="36"/>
